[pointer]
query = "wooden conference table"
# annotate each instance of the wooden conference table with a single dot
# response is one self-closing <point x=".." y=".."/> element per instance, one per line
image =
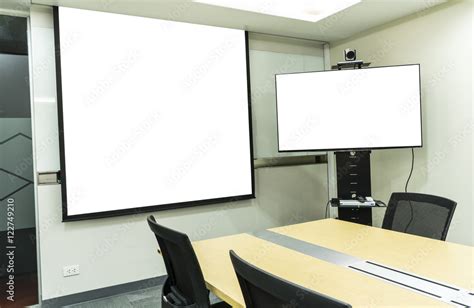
<point x="327" y="256"/>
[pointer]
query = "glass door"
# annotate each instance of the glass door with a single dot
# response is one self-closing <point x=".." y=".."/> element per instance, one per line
<point x="18" y="264"/>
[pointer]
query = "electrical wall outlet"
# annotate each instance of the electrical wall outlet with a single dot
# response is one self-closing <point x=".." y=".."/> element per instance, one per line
<point x="70" y="270"/>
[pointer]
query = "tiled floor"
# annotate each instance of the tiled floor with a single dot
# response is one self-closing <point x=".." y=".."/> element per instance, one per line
<point x="143" y="299"/>
<point x="146" y="298"/>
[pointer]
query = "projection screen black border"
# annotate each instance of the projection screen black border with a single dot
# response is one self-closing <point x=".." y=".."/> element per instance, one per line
<point x="145" y="209"/>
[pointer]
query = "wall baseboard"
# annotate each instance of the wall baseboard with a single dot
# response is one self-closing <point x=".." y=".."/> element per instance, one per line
<point x="103" y="292"/>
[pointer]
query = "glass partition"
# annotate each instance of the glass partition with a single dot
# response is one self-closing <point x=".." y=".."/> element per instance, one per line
<point x="18" y="267"/>
<point x="270" y="55"/>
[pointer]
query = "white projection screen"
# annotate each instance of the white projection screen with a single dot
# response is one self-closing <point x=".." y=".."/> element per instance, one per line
<point x="153" y="114"/>
<point x="370" y="108"/>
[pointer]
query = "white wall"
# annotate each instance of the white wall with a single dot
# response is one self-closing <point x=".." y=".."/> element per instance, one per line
<point x="440" y="39"/>
<point x="119" y="250"/>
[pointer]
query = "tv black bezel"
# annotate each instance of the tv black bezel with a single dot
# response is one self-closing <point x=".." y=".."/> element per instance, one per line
<point x="344" y="149"/>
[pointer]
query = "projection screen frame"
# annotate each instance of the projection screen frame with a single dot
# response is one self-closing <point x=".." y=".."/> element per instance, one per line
<point x="144" y="209"/>
<point x="359" y="148"/>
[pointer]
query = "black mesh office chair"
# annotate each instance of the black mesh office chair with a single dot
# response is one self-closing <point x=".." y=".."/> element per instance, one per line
<point x="184" y="286"/>
<point x="263" y="290"/>
<point x="419" y="214"/>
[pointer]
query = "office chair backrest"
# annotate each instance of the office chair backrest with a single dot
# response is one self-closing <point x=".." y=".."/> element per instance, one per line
<point x="185" y="281"/>
<point x="262" y="289"/>
<point x="419" y="214"/>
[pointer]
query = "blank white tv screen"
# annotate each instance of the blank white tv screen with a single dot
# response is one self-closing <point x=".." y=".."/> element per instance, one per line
<point x="154" y="114"/>
<point x="368" y="108"/>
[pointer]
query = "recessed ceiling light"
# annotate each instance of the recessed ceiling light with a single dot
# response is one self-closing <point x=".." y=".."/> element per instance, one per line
<point x="308" y="10"/>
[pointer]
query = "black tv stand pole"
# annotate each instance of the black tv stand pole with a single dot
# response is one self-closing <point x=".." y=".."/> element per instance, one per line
<point x="353" y="180"/>
<point x="353" y="171"/>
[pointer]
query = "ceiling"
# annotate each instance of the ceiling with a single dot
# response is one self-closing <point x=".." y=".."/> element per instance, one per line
<point x="355" y="19"/>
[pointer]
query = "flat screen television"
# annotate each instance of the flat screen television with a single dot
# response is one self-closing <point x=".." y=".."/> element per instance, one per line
<point x="370" y="108"/>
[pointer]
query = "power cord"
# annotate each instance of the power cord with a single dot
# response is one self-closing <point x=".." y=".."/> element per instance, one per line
<point x="327" y="207"/>
<point x="411" y="170"/>
<point x="406" y="189"/>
